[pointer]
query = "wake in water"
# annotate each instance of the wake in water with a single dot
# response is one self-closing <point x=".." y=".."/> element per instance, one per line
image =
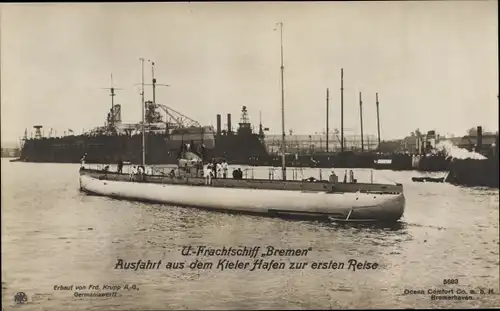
<point x="455" y="152"/>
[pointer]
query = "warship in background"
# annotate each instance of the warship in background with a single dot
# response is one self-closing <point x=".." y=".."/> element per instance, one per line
<point x="164" y="139"/>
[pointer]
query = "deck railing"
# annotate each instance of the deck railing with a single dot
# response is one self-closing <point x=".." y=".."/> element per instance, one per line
<point x="273" y="173"/>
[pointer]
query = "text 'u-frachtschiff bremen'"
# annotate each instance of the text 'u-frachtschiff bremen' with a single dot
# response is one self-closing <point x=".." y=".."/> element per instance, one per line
<point x="252" y="252"/>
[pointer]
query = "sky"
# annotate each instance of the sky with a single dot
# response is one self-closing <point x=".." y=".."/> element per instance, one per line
<point x="433" y="64"/>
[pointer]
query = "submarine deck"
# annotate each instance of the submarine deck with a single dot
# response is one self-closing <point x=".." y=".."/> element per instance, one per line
<point x="264" y="184"/>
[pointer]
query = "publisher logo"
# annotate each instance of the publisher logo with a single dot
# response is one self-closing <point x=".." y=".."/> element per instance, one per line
<point x="20" y="297"/>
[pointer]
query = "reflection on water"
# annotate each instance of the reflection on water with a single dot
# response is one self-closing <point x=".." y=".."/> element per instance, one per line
<point x="54" y="235"/>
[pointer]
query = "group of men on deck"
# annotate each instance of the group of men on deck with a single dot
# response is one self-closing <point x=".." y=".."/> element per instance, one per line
<point x="215" y="169"/>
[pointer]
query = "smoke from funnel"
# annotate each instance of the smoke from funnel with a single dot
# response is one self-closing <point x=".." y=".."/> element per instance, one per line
<point x="455" y="152"/>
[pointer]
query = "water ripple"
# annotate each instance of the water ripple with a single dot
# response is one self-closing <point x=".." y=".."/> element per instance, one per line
<point x="54" y="235"/>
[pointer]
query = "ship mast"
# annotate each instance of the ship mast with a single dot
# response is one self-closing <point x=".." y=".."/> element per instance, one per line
<point x="261" y="129"/>
<point x="378" y="122"/>
<point x="153" y="81"/>
<point x="112" y="94"/>
<point x="112" y="90"/>
<point x="154" y="85"/>
<point x="327" y="119"/>
<point x="361" y="121"/>
<point x="143" y="149"/>
<point x="283" y="164"/>
<point x="341" y="110"/>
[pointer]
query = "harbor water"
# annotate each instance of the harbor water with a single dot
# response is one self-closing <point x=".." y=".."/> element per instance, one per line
<point x="53" y="235"/>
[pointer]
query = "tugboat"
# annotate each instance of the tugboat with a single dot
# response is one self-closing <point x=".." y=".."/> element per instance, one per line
<point x="190" y="185"/>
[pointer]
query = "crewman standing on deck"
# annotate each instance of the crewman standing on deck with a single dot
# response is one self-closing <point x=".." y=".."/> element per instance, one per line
<point x="333" y="178"/>
<point x="224" y="169"/>
<point x="120" y="166"/>
<point x="214" y="168"/>
<point x="218" y="170"/>
<point x="133" y="172"/>
<point x="82" y="160"/>
<point x="207" y="174"/>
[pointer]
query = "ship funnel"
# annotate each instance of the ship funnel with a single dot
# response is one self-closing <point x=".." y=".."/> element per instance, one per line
<point x="431" y="138"/>
<point x="218" y="124"/>
<point x="229" y="128"/>
<point x="479" y="139"/>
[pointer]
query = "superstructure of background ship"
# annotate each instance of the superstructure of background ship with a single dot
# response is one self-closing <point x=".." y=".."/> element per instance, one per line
<point x="164" y="138"/>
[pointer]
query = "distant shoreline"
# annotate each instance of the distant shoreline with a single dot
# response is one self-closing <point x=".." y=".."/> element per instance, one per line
<point x="10" y="152"/>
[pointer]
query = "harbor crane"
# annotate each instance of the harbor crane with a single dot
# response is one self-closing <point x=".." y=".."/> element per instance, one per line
<point x="172" y="116"/>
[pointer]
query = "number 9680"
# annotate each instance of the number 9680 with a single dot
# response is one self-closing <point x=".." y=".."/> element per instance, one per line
<point x="450" y="281"/>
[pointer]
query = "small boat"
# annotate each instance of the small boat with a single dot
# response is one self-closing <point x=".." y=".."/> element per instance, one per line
<point x="428" y="179"/>
<point x="186" y="186"/>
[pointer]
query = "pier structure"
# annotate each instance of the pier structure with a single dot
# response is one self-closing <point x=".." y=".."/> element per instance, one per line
<point x="314" y="143"/>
